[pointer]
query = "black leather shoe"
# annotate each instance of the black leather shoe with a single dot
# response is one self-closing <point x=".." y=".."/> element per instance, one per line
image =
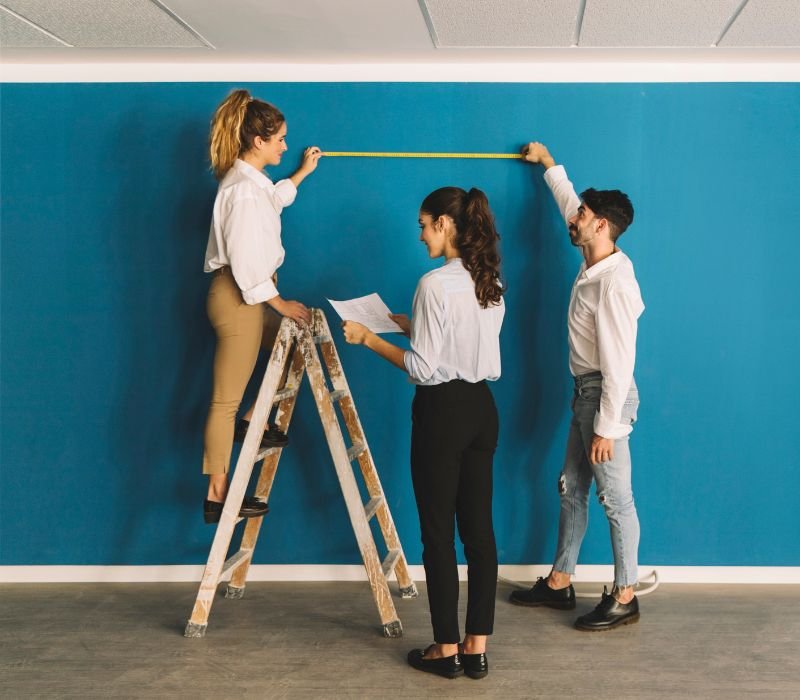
<point x="475" y="665"/>
<point x="273" y="437"/>
<point x="609" y="614"/>
<point x="448" y="667"/>
<point x="542" y="594"/>
<point x="251" y="508"/>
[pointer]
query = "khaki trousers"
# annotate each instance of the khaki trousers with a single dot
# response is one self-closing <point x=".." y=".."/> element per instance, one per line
<point x="240" y="329"/>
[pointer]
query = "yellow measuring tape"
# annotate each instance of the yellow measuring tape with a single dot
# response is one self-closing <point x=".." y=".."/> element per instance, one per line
<point x="376" y="154"/>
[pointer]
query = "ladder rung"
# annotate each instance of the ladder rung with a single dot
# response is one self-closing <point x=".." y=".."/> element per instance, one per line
<point x="338" y="395"/>
<point x="286" y="393"/>
<point x="390" y="562"/>
<point x="264" y="452"/>
<point x="374" y="503"/>
<point x="321" y="339"/>
<point x="355" y="451"/>
<point x="235" y="560"/>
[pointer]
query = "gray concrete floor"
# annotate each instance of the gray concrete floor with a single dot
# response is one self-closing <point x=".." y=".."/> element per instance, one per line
<point x="322" y="640"/>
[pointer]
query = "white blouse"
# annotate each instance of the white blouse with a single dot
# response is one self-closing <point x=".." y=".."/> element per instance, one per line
<point x="246" y="229"/>
<point x="452" y="336"/>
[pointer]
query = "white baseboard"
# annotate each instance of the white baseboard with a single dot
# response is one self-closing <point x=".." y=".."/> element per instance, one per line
<point x="341" y="572"/>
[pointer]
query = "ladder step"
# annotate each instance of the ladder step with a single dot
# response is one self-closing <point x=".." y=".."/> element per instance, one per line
<point x="321" y="339"/>
<point x="355" y="451"/>
<point x="390" y="562"/>
<point x="286" y="393"/>
<point x="374" y="503"/>
<point x="235" y="560"/>
<point x="266" y="451"/>
<point x="338" y="395"/>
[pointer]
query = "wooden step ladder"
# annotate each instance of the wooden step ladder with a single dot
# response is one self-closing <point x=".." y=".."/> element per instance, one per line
<point x="296" y="346"/>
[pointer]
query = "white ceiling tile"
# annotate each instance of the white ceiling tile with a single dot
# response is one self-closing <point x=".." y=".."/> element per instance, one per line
<point x="16" y="34"/>
<point x="766" y="23"/>
<point x="107" y="23"/>
<point x="655" y="23"/>
<point x="502" y="23"/>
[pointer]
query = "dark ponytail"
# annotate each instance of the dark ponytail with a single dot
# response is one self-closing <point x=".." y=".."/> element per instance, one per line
<point x="476" y="237"/>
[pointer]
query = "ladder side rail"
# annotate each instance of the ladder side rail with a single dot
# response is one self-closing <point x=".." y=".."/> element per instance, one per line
<point x="266" y="478"/>
<point x="347" y="481"/>
<point x="241" y="477"/>
<point x="365" y="460"/>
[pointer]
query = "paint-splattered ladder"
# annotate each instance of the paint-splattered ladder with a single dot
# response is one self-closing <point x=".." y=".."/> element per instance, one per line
<point x="296" y="347"/>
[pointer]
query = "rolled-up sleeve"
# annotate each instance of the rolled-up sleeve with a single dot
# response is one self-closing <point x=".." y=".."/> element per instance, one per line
<point x="254" y="256"/>
<point x="616" y="319"/>
<point x="283" y="194"/>
<point x="427" y="331"/>
<point x="563" y="191"/>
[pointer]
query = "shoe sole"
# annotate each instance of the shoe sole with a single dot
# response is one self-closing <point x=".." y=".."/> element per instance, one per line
<point x="627" y="621"/>
<point x="477" y="675"/>
<point x="568" y="605"/>
<point x="441" y="674"/>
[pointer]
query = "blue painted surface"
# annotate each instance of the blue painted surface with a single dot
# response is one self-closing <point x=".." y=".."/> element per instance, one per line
<point x="106" y="350"/>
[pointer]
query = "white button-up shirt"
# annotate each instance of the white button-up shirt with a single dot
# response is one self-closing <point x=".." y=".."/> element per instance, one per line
<point x="246" y="229"/>
<point x="452" y="336"/>
<point x="604" y="308"/>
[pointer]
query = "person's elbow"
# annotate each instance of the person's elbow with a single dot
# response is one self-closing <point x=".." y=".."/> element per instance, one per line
<point x="418" y="367"/>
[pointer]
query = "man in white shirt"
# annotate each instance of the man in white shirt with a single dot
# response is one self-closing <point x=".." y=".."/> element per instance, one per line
<point x="604" y="308"/>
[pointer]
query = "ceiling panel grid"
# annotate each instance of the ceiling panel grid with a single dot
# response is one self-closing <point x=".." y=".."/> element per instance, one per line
<point x="107" y="23"/>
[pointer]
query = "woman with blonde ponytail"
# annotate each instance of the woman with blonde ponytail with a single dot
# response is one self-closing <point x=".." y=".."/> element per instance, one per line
<point x="455" y="349"/>
<point x="244" y="251"/>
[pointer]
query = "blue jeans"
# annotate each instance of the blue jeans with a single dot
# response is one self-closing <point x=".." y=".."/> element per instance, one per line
<point x="613" y="485"/>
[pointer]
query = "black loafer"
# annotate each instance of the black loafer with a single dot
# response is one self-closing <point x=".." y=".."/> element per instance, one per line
<point x="448" y="667"/>
<point x="610" y="613"/>
<point x="273" y="437"/>
<point x="475" y="665"/>
<point x="541" y="594"/>
<point x="251" y="508"/>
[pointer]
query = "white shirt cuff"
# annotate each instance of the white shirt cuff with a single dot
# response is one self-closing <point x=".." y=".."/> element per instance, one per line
<point x="286" y="191"/>
<point x="609" y="429"/>
<point x="555" y="174"/>
<point x="261" y="292"/>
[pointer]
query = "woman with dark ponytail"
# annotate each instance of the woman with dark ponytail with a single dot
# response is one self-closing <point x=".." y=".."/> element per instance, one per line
<point x="455" y="349"/>
<point x="244" y="251"/>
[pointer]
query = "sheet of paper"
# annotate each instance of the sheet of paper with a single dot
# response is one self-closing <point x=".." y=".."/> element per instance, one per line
<point x="369" y="311"/>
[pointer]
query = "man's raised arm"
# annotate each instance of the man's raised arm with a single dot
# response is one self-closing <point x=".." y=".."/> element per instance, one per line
<point x="556" y="178"/>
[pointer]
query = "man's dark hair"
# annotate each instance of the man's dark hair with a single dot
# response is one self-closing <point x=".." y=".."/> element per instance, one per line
<point x="612" y="205"/>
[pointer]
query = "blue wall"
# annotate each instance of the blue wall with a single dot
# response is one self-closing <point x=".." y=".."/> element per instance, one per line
<point x="106" y="350"/>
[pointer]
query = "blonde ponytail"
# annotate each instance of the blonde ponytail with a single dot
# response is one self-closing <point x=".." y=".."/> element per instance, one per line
<point x="237" y="121"/>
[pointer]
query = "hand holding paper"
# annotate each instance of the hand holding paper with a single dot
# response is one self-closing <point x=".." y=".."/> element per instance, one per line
<point x="370" y="311"/>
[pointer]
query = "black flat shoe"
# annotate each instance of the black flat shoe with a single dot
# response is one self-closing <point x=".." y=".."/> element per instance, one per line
<point x="448" y="667"/>
<point x="610" y="613"/>
<point x="273" y="437"/>
<point x="542" y="595"/>
<point x="251" y="508"/>
<point x="475" y="665"/>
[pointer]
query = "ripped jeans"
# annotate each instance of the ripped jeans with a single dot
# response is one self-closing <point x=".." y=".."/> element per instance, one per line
<point x="613" y="486"/>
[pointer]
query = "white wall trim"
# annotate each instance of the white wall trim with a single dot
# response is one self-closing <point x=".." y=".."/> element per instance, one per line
<point x="339" y="572"/>
<point x="489" y="72"/>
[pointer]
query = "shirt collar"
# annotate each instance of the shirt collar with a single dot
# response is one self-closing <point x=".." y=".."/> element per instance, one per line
<point x="253" y="173"/>
<point x="603" y="266"/>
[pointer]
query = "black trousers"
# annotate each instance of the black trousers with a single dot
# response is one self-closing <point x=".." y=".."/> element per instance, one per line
<point x="453" y="440"/>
